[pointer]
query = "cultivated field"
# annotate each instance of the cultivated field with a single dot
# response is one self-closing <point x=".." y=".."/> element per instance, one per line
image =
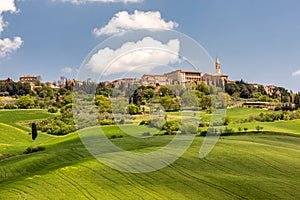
<point x="251" y="166"/>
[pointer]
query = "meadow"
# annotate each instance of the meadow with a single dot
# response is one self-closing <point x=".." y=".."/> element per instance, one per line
<point x="250" y="166"/>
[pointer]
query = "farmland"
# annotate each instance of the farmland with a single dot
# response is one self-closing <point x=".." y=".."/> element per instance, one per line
<point x="252" y="166"/>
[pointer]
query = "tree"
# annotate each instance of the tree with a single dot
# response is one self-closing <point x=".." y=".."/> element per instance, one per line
<point x="203" y="88"/>
<point x="133" y="109"/>
<point x="34" y="133"/>
<point x="25" y="102"/>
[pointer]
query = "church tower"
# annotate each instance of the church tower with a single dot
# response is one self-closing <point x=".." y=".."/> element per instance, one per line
<point x="218" y="66"/>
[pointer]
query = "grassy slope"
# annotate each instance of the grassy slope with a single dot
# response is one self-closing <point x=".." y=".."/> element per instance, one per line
<point x="15" y="138"/>
<point x="250" y="166"/>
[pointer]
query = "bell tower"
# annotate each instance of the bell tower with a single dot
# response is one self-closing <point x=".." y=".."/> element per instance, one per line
<point x="218" y="66"/>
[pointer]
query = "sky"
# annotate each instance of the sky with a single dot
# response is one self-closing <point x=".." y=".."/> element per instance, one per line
<point x="256" y="40"/>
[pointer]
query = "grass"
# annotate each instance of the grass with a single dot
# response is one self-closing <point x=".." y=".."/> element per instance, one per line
<point x="252" y="166"/>
<point x="14" y="117"/>
<point x="234" y="113"/>
<point x="292" y="127"/>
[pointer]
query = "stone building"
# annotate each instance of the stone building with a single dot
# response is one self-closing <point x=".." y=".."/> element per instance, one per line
<point x="126" y="82"/>
<point x="154" y="79"/>
<point x="178" y="77"/>
<point x="217" y="79"/>
<point x="181" y="77"/>
<point x="30" y="79"/>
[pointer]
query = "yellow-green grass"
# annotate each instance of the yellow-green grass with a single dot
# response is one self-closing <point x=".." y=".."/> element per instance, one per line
<point x="234" y="113"/>
<point x="248" y="166"/>
<point x="252" y="166"/>
<point x="13" y="117"/>
<point x="292" y="126"/>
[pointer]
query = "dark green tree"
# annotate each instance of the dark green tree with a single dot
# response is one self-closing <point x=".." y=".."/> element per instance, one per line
<point x="34" y="133"/>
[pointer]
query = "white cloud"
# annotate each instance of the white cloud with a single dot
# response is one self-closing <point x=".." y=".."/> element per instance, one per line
<point x="140" y="56"/>
<point x="67" y="70"/>
<point x="102" y="1"/>
<point x="8" y="46"/>
<point x="123" y="21"/>
<point x="296" y="73"/>
<point x="6" y="6"/>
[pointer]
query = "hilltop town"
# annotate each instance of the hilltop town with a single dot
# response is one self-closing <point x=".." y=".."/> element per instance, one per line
<point x="177" y="77"/>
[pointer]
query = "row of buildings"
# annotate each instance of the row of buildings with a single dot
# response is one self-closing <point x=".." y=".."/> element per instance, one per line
<point x="178" y="77"/>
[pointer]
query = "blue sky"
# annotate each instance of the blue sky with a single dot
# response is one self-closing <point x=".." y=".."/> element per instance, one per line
<point x="258" y="41"/>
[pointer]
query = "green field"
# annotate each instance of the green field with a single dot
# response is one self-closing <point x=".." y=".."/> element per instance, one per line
<point x="252" y="166"/>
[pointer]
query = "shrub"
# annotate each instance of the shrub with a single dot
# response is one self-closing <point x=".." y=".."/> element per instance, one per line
<point x="52" y="110"/>
<point x="227" y="120"/>
<point x="32" y="150"/>
<point x="157" y="123"/>
<point x="145" y="122"/>
<point x="204" y="124"/>
<point x="146" y="134"/>
<point x="259" y="128"/>
<point x="189" y="129"/>
<point x="122" y="121"/>
<point x="171" y="126"/>
<point x="227" y="131"/>
<point x="116" y="136"/>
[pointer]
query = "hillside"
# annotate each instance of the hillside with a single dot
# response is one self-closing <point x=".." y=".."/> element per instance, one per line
<point x="253" y="166"/>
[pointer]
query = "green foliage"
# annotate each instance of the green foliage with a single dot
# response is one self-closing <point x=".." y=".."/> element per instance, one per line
<point x="202" y="87"/>
<point x="259" y="128"/>
<point x="103" y="104"/>
<point x="227" y="131"/>
<point x="25" y="102"/>
<point x="45" y="91"/>
<point x="227" y="120"/>
<point x="52" y="110"/>
<point x="12" y="88"/>
<point x="156" y="123"/>
<point x="32" y="150"/>
<point x="34" y="133"/>
<point x="188" y="128"/>
<point x="133" y="109"/>
<point x="170" y="104"/>
<point x="171" y="126"/>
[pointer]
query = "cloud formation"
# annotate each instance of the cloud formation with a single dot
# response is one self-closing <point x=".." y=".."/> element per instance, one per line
<point x="123" y="21"/>
<point x="67" y="70"/>
<point x="6" y="6"/>
<point x="101" y="1"/>
<point x="7" y="45"/>
<point x="296" y="73"/>
<point x="141" y="56"/>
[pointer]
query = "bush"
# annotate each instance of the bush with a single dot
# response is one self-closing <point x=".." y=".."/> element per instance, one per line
<point x="25" y="102"/>
<point x="189" y="129"/>
<point x="171" y="126"/>
<point x="227" y="131"/>
<point x="116" y="136"/>
<point x="204" y="124"/>
<point x="32" y="150"/>
<point x="122" y="121"/>
<point x="227" y="120"/>
<point x="146" y="134"/>
<point x="145" y="122"/>
<point x="259" y="128"/>
<point x="52" y="110"/>
<point x="157" y="123"/>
